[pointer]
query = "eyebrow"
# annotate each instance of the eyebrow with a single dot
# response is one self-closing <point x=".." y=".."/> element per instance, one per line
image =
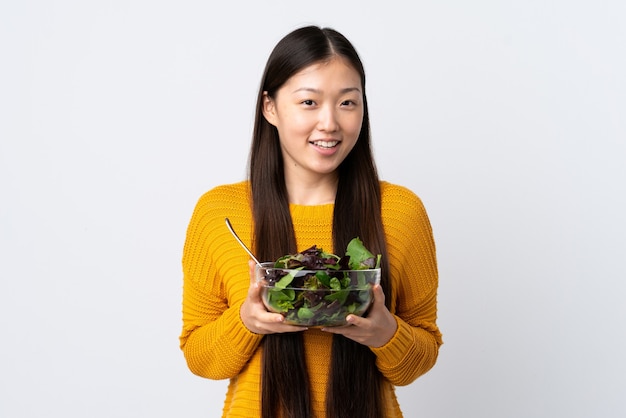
<point x="313" y="90"/>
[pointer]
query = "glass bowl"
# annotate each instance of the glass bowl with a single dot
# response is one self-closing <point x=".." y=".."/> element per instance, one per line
<point x="316" y="298"/>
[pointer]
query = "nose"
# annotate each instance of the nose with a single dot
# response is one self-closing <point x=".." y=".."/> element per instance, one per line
<point x="327" y="120"/>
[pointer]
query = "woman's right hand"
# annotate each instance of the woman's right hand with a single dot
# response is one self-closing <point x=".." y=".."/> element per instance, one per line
<point x="256" y="317"/>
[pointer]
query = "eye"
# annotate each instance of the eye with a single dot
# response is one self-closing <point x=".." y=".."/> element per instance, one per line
<point x="308" y="102"/>
<point x="348" y="103"/>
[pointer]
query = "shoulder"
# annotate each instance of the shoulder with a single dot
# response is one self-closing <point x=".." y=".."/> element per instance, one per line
<point x="234" y="193"/>
<point x="207" y="239"/>
<point x="395" y="197"/>
<point x="228" y="200"/>
<point x="403" y="212"/>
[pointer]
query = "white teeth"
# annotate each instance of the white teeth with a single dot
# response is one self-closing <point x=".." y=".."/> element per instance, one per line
<point x="325" y="144"/>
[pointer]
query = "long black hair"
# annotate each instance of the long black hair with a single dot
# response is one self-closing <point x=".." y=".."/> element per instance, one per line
<point x="353" y="366"/>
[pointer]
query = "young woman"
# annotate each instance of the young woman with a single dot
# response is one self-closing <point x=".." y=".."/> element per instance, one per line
<point x="312" y="181"/>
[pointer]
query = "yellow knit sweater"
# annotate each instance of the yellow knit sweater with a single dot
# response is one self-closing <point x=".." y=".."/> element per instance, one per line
<point x="216" y="343"/>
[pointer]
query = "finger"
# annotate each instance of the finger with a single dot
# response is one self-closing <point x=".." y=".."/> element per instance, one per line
<point x="341" y="329"/>
<point x="352" y="320"/>
<point x="252" y="271"/>
<point x="379" y="295"/>
<point x="274" y="323"/>
<point x="269" y="318"/>
<point x="254" y="291"/>
<point x="361" y="322"/>
<point x="283" y="328"/>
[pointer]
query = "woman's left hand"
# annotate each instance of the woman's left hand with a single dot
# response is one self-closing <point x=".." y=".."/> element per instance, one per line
<point x="375" y="330"/>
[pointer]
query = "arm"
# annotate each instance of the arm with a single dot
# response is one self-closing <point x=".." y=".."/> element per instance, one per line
<point x="405" y="338"/>
<point x="412" y="351"/>
<point x="414" y="347"/>
<point x="224" y="318"/>
<point x="215" y="342"/>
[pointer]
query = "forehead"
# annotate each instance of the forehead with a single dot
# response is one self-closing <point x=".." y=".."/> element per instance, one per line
<point x="336" y="71"/>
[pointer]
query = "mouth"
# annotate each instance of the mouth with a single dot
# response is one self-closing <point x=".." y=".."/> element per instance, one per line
<point x="325" y="144"/>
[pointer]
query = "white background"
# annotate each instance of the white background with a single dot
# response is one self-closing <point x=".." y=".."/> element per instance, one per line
<point x="506" y="117"/>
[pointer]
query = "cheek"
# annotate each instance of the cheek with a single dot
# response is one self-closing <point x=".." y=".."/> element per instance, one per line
<point x="295" y="122"/>
<point x="354" y="125"/>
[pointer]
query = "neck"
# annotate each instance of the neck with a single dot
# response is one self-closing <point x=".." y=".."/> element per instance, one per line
<point x="313" y="191"/>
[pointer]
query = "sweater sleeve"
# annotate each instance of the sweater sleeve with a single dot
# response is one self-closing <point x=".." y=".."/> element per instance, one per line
<point x="214" y="340"/>
<point x="414" y="348"/>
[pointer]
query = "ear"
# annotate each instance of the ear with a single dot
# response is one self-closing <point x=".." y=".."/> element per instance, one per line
<point x="269" y="109"/>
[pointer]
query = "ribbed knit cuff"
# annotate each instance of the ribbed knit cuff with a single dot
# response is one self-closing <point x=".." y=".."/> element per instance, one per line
<point x="242" y="337"/>
<point x="392" y="353"/>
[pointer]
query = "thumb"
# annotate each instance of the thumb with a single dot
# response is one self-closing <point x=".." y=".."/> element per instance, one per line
<point x="254" y="289"/>
<point x="379" y="295"/>
<point x="252" y="271"/>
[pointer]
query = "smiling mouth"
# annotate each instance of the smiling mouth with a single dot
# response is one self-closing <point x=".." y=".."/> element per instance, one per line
<point x="325" y="144"/>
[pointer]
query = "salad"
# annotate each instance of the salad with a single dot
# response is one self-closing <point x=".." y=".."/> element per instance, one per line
<point x="315" y="288"/>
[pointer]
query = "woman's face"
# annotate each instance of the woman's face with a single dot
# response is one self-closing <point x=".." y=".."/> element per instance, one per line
<point x="318" y="113"/>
